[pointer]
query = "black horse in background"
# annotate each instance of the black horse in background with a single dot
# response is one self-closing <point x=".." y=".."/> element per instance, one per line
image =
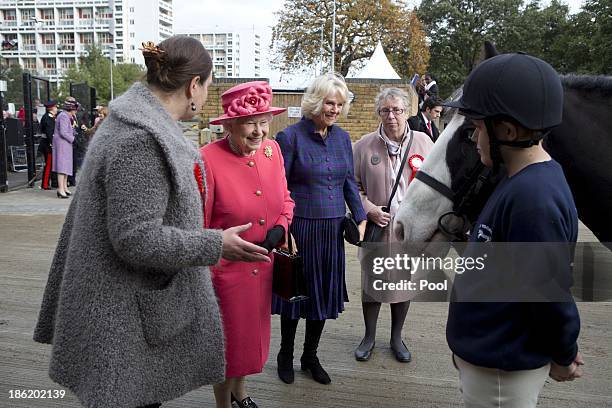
<point x="582" y="144"/>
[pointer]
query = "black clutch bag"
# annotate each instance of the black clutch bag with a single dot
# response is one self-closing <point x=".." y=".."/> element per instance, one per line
<point x="373" y="231"/>
<point x="288" y="281"/>
<point x="351" y="232"/>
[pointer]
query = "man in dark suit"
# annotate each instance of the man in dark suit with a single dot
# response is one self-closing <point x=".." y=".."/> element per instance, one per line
<point x="423" y="121"/>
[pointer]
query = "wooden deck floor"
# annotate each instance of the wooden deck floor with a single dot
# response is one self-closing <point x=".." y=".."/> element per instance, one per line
<point x="428" y="381"/>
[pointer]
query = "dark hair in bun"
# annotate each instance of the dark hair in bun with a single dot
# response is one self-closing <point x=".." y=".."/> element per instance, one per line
<point x="174" y="62"/>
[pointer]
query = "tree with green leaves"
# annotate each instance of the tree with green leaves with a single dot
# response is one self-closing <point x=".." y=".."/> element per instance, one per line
<point x="94" y="68"/>
<point x="458" y="29"/>
<point x="360" y="24"/>
<point x="13" y="75"/>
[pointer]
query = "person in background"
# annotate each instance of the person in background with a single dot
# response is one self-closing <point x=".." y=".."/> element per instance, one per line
<point x="129" y="305"/>
<point x="319" y="165"/>
<point x="47" y="129"/>
<point x="63" y="137"/>
<point x="246" y="184"/>
<point x="424" y="120"/>
<point x="430" y="86"/>
<point x="378" y="156"/>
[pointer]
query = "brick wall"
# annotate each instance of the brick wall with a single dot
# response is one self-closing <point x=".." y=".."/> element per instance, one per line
<point x="362" y="118"/>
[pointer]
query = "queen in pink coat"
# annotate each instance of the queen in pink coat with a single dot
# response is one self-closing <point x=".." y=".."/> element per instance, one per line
<point x="246" y="183"/>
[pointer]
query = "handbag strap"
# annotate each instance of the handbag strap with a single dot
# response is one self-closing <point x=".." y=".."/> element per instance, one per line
<point x="401" y="169"/>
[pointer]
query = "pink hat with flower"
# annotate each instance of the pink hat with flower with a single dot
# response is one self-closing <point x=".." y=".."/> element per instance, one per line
<point x="248" y="99"/>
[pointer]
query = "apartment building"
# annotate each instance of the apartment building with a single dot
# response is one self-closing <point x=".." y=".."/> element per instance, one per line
<point x="234" y="54"/>
<point x="48" y="36"/>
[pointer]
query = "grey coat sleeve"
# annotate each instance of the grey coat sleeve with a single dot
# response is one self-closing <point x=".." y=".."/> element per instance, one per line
<point x="137" y="189"/>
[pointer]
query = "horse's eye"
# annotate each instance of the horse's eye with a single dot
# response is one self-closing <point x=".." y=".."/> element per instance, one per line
<point x="469" y="134"/>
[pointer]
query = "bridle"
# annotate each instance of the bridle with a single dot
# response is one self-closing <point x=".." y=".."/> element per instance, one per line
<point x="464" y="199"/>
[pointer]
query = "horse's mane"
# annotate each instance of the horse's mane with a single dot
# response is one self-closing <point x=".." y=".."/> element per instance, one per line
<point x="587" y="82"/>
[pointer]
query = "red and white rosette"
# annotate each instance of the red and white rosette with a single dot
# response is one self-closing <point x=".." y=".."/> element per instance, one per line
<point x="415" y="162"/>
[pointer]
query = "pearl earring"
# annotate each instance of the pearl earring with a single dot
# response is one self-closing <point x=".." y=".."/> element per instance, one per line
<point x="193" y="107"/>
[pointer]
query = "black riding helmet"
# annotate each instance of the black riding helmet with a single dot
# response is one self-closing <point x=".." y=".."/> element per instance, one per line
<point x="519" y="86"/>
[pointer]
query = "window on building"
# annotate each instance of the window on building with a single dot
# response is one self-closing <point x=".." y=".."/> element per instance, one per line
<point x="104" y="12"/>
<point x="66" y="14"/>
<point x="131" y="22"/>
<point x="86" y="38"/>
<point x="9" y="15"/>
<point x="26" y="15"/>
<point x="29" y="64"/>
<point x="46" y="14"/>
<point x="105" y="38"/>
<point x="49" y="63"/>
<point x="66" y="63"/>
<point x="85" y="13"/>
<point x="131" y="9"/>
<point x="132" y="35"/>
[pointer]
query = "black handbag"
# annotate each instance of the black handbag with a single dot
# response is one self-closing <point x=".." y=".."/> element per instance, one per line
<point x="373" y="231"/>
<point x="288" y="281"/>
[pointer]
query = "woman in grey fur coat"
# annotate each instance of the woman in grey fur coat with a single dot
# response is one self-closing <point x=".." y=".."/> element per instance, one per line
<point x="129" y="306"/>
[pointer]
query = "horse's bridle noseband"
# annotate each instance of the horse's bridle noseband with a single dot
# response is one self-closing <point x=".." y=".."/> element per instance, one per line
<point x="463" y="199"/>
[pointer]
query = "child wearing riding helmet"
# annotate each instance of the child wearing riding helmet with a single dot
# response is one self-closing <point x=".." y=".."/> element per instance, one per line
<point x="505" y="350"/>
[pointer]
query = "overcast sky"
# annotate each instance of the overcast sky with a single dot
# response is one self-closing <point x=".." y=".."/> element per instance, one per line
<point x="248" y="16"/>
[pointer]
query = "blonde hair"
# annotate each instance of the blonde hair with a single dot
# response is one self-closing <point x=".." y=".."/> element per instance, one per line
<point x="321" y="87"/>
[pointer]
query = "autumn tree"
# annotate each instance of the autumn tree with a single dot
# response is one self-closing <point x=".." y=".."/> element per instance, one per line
<point x="360" y="24"/>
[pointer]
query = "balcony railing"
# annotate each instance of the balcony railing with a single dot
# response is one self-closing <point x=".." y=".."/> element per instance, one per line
<point x="86" y="22"/>
<point x="66" y="22"/>
<point x="65" y="47"/>
<point x="49" y="71"/>
<point x="8" y="23"/>
<point x="48" y="47"/>
<point x="28" y="47"/>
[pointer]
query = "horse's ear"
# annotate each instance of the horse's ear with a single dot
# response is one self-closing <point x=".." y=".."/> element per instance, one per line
<point x="489" y="50"/>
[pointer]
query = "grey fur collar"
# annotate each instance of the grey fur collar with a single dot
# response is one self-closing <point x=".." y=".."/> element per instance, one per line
<point x="139" y="107"/>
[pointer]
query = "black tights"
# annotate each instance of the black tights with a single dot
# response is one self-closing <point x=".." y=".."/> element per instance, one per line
<point x="370" y="317"/>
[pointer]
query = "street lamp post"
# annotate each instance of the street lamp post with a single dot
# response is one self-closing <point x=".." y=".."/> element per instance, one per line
<point x="333" y="50"/>
<point x="111" y="55"/>
<point x="38" y="72"/>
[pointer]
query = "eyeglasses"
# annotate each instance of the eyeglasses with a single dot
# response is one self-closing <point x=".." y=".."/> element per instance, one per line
<point x="396" y="111"/>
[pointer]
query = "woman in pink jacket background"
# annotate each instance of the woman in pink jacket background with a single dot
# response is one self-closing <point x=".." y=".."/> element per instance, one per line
<point x="377" y="159"/>
<point x="246" y="184"/>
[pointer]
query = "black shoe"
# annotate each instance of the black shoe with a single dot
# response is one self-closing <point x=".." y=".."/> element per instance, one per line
<point x="318" y="373"/>
<point x="68" y="193"/>
<point x="245" y="403"/>
<point x="60" y="195"/>
<point x="364" y="355"/>
<point x="403" y="356"/>
<point x="285" y="368"/>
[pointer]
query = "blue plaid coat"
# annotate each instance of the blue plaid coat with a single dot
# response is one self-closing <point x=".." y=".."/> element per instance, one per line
<point x="320" y="172"/>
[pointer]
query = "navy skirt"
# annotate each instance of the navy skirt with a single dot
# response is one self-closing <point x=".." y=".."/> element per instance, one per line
<point x="321" y="245"/>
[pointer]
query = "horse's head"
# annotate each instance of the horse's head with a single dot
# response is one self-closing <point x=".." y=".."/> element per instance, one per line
<point x="452" y="186"/>
<point x="454" y="163"/>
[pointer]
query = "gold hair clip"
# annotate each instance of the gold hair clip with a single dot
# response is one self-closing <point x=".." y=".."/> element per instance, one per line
<point x="149" y="47"/>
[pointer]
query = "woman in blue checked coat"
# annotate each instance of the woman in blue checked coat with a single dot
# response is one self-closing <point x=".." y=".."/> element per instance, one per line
<point x="319" y="166"/>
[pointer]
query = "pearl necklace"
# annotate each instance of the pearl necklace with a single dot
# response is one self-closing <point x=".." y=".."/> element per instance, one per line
<point x="236" y="149"/>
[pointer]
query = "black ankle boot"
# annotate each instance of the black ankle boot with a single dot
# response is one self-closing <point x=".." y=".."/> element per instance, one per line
<point x="318" y="373"/>
<point x="309" y="359"/>
<point x="284" y="359"/>
<point x="285" y="367"/>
